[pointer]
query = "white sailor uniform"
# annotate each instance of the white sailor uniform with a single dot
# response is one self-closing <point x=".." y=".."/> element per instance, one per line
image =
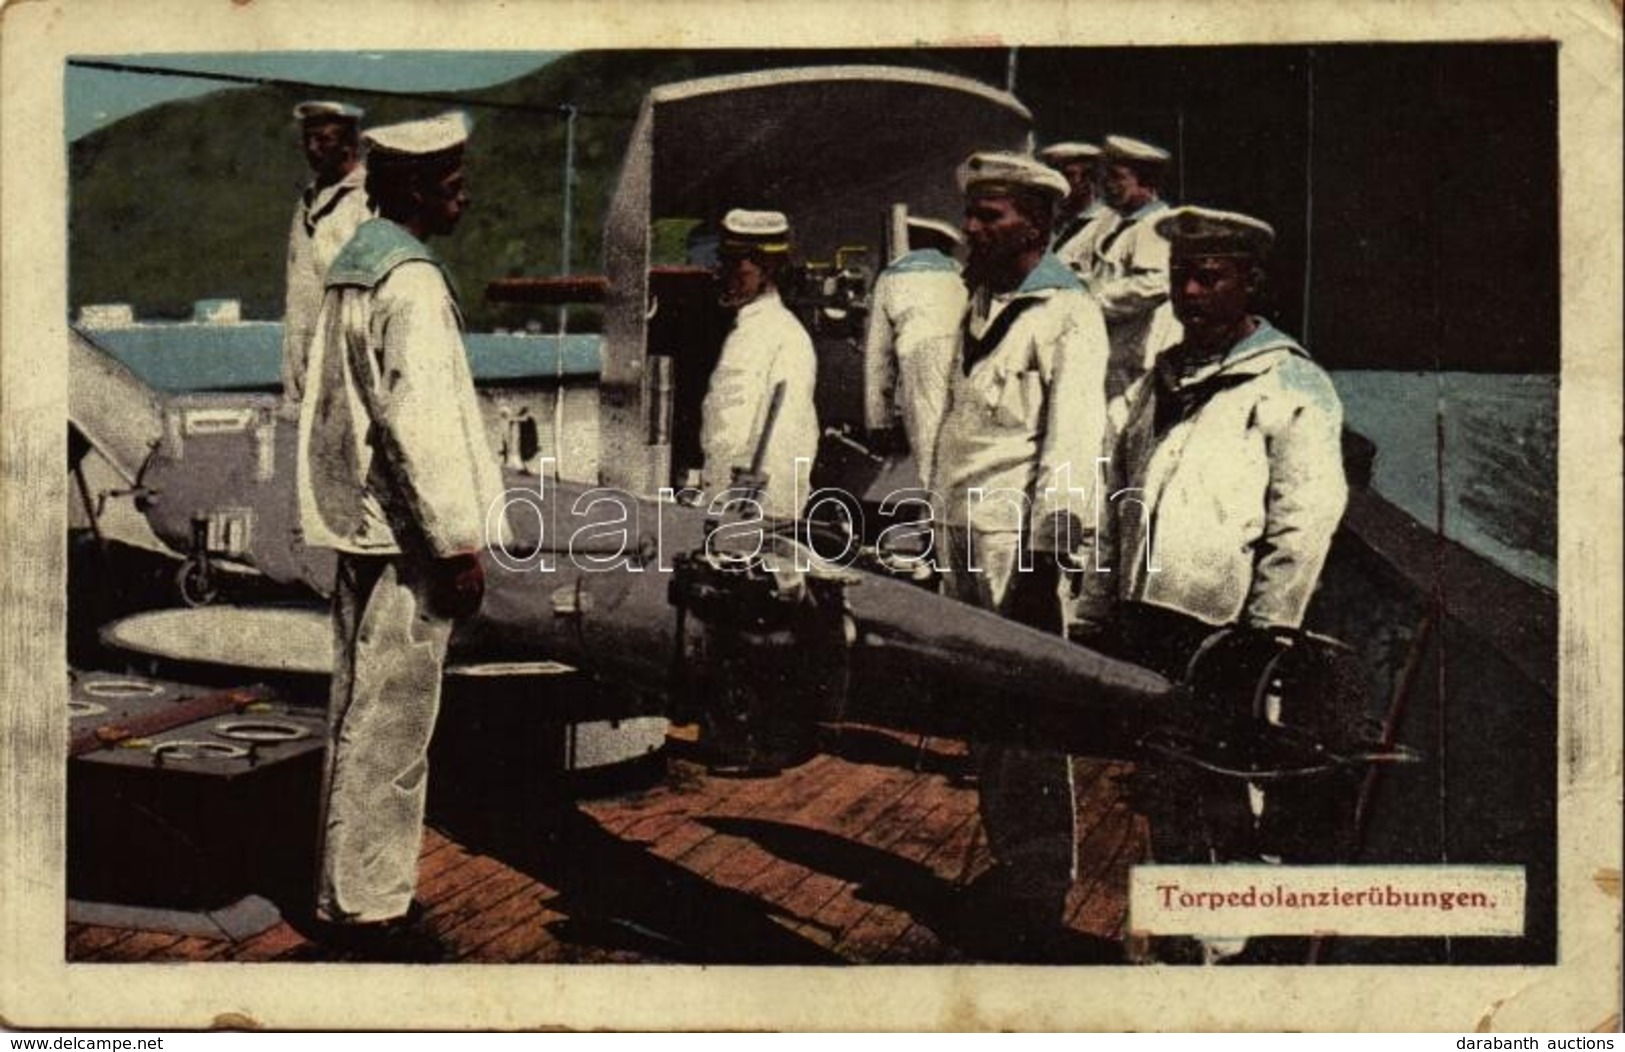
<point x="394" y="472"/>
<point x="915" y="313"/>
<point x="767" y="347"/>
<point x="323" y="222"/>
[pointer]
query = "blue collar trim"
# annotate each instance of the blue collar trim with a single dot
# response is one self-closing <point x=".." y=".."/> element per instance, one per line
<point x="1050" y="273"/>
<point x="378" y="247"/>
<point x="922" y="260"/>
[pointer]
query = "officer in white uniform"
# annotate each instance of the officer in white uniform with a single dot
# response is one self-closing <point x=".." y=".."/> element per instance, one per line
<point x="1233" y="449"/>
<point x="1014" y="466"/>
<point x="915" y="312"/>
<point x="768" y="357"/>
<point x="329" y="210"/>
<point x="1082" y="219"/>
<point x="1130" y="272"/>
<point x="395" y="472"/>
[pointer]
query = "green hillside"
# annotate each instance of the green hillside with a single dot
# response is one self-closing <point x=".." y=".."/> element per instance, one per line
<point x="1348" y="151"/>
<point x="192" y="200"/>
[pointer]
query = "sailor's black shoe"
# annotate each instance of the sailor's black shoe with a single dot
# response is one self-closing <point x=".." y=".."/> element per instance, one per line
<point x="1000" y="916"/>
<point x="400" y="940"/>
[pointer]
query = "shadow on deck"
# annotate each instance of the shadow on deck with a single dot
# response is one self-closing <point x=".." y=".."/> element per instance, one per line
<point x="854" y="857"/>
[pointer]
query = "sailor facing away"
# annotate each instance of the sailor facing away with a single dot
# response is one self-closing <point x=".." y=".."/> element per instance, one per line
<point x="915" y="313"/>
<point x="768" y="357"/>
<point x="1082" y="220"/>
<point x="330" y="209"/>
<point x="1129" y="277"/>
<point x="1232" y="452"/>
<point x="394" y="471"/>
<point x="1018" y="446"/>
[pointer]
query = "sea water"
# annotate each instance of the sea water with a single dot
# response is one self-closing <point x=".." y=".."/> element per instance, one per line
<point x="1496" y="464"/>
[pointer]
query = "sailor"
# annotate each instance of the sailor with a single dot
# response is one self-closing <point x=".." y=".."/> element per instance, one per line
<point x="329" y="210"/>
<point x="395" y="473"/>
<point x="1129" y="277"/>
<point x="758" y="419"/>
<point x="1013" y="467"/>
<point x="1232" y="449"/>
<point x="1082" y="219"/>
<point x="915" y="311"/>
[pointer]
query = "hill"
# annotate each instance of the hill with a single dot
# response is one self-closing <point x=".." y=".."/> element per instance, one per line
<point x="1377" y="165"/>
<point x="192" y="199"/>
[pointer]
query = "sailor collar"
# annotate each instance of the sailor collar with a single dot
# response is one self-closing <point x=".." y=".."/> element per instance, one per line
<point x="1050" y="273"/>
<point x="923" y="260"/>
<point x="1151" y="207"/>
<point x="1081" y="218"/>
<point x="323" y="198"/>
<point x="1247" y="356"/>
<point x="378" y="247"/>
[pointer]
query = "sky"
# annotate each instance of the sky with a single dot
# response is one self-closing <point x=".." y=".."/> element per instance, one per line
<point x="95" y="98"/>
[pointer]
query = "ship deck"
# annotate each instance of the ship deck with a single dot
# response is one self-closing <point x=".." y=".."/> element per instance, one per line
<point x="853" y="857"/>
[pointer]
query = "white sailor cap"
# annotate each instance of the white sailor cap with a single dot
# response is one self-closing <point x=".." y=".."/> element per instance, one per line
<point x="997" y="172"/>
<point x="1059" y="153"/>
<point x="1194" y="231"/>
<point x="938" y="227"/>
<point x="1133" y="151"/>
<point x="324" y="109"/>
<point x="417" y="142"/>
<point x="744" y="230"/>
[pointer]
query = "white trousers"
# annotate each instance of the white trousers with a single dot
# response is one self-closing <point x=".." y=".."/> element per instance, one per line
<point x="389" y="649"/>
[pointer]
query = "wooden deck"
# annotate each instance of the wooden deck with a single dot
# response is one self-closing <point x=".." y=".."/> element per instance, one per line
<point x="854" y="857"/>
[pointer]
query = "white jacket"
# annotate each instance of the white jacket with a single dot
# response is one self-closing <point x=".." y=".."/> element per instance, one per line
<point x="915" y="312"/>
<point x="323" y="223"/>
<point x="1130" y="280"/>
<point x="1076" y="243"/>
<point x="767" y="346"/>
<point x="391" y="442"/>
<point x="1237" y="499"/>
<point x="1027" y="419"/>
